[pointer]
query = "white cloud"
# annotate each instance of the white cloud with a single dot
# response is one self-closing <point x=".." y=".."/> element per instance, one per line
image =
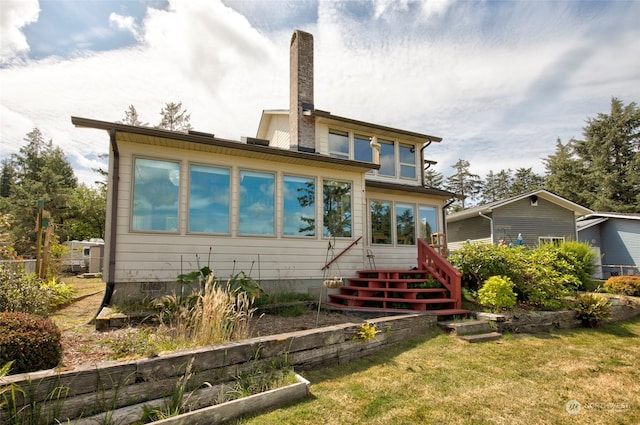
<point x="126" y="23"/>
<point x="15" y="15"/>
<point x="499" y="95"/>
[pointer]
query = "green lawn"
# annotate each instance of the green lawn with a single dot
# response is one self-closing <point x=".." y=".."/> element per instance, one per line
<point x="517" y="380"/>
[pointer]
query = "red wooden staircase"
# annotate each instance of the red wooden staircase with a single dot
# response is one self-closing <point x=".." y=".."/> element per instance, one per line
<point x="433" y="287"/>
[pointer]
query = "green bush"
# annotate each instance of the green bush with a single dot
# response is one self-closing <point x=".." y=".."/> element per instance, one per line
<point x="583" y="259"/>
<point x="497" y="293"/>
<point x="592" y="309"/>
<point x="542" y="276"/>
<point x="478" y="262"/>
<point x="625" y="285"/>
<point x="31" y="342"/>
<point x="21" y="292"/>
<point x="59" y="294"/>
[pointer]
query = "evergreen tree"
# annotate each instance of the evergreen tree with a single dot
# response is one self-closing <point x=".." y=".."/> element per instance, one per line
<point x="433" y="179"/>
<point x="610" y="153"/>
<point x="40" y="171"/>
<point x="566" y="174"/>
<point x="174" y="118"/>
<point x="131" y="117"/>
<point x="525" y="180"/>
<point x="463" y="182"/>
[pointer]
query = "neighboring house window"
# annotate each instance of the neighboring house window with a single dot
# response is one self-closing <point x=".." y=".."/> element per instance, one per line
<point x="387" y="158"/>
<point x="405" y="224"/>
<point x="380" y="222"/>
<point x="299" y="210"/>
<point x="156" y="187"/>
<point x="256" y="209"/>
<point x="407" y="161"/>
<point x="428" y="222"/>
<point x="555" y="240"/>
<point x="208" y="199"/>
<point x="362" y="148"/>
<point x="339" y="144"/>
<point x="336" y="209"/>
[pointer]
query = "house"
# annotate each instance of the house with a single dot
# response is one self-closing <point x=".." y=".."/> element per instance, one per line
<point x="529" y="219"/>
<point x="616" y="237"/>
<point x="313" y="196"/>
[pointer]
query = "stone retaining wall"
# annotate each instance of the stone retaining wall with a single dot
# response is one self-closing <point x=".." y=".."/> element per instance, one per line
<point x="88" y="390"/>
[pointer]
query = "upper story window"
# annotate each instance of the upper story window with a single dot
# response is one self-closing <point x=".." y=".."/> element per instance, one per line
<point x="339" y="144"/>
<point x="256" y="208"/>
<point x="208" y="199"/>
<point x="407" y="156"/>
<point x="299" y="202"/>
<point x="362" y="148"/>
<point x="156" y="187"/>
<point x="387" y="158"/>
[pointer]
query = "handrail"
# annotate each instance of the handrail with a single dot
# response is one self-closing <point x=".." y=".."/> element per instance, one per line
<point x="431" y="260"/>
<point x="326" y="266"/>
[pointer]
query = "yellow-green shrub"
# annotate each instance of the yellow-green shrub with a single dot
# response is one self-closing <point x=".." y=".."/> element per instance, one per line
<point x="625" y="285"/>
<point x="497" y="292"/>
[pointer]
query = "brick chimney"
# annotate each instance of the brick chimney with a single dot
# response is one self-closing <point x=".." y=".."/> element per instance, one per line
<point x="302" y="127"/>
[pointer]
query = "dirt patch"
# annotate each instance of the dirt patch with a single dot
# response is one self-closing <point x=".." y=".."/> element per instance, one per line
<point x="83" y="345"/>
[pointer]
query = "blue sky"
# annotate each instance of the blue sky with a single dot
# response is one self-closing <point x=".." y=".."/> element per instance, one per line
<point x="499" y="81"/>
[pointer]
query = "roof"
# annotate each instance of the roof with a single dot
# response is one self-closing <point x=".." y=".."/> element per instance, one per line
<point x="327" y="117"/>
<point x="578" y="210"/>
<point x="210" y="143"/>
<point x="408" y="188"/>
<point x="596" y="218"/>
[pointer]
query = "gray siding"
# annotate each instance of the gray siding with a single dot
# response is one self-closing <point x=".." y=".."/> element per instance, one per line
<point x="472" y="228"/>
<point x="621" y="242"/>
<point x="546" y="219"/>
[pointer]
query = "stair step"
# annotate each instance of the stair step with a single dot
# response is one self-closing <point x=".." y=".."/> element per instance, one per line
<point x="467" y="327"/>
<point x="491" y="336"/>
<point x="394" y="300"/>
<point x="452" y="312"/>
<point x="409" y="290"/>
<point x="439" y="313"/>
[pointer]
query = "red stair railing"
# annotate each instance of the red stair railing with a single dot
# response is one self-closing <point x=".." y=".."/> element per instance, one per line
<point x="431" y="260"/>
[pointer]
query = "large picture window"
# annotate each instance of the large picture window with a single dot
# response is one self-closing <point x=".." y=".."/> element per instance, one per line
<point x="380" y="222"/>
<point x="156" y="187"/>
<point x="428" y="222"/>
<point x="208" y="199"/>
<point x="299" y="216"/>
<point x="256" y="209"/>
<point x="336" y="216"/>
<point x="405" y="224"/>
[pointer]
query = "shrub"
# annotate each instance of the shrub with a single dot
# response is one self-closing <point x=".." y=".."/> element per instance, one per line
<point x="59" y="293"/>
<point x="31" y="342"/>
<point x="478" y="262"/>
<point x="497" y="292"/>
<point x="21" y="292"/>
<point x="583" y="259"/>
<point x="592" y="309"/>
<point x="625" y="285"/>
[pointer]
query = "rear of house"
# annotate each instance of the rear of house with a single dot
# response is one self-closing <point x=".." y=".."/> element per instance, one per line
<point x="309" y="188"/>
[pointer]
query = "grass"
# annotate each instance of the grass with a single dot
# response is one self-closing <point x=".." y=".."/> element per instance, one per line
<point x="515" y="380"/>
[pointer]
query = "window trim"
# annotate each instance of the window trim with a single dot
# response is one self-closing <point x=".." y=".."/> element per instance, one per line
<point x="554" y="240"/>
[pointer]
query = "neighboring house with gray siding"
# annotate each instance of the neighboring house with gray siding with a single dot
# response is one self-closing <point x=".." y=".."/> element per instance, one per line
<point x="616" y="236"/>
<point x="538" y="216"/>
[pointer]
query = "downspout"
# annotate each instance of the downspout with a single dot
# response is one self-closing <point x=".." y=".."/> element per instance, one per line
<point x="444" y="215"/>
<point x="114" y="174"/>
<point x="491" y="221"/>
<point x="422" y="169"/>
